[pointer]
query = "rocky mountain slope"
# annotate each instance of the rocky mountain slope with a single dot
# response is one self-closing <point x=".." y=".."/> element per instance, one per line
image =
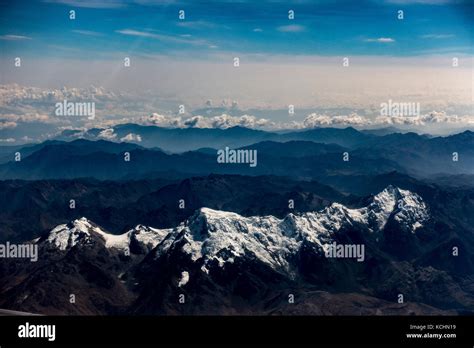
<point x="218" y="262"/>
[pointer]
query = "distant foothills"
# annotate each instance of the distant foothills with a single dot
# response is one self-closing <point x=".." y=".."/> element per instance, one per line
<point x="156" y="152"/>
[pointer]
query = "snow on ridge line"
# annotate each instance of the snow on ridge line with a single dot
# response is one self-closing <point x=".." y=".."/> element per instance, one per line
<point x="66" y="236"/>
<point x="377" y="212"/>
<point x="222" y="236"/>
<point x="229" y="230"/>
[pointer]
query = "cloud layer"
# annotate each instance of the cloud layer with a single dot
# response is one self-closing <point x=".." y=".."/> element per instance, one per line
<point x="310" y="121"/>
<point x="27" y="114"/>
<point x="221" y="121"/>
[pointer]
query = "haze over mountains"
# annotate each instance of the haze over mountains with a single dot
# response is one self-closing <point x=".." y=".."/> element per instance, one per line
<point x="187" y="139"/>
<point x="319" y="153"/>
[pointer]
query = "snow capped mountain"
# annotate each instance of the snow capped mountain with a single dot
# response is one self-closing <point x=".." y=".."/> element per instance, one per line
<point x="82" y="231"/>
<point x="68" y="235"/>
<point x="220" y="236"/>
<point x="407" y="208"/>
<point x="217" y="237"/>
<point x="147" y="237"/>
<point x="223" y="236"/>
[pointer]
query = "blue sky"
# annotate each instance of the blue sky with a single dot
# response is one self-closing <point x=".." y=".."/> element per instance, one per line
<point x="328" y="28"/>
<point x="190" y="62"/>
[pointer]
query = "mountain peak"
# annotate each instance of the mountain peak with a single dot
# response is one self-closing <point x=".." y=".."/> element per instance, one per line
<point x="68" y="235"/>
<point x="405" y="206"/>
<point x="206" y="221"/>
<point x="387" y="199"/>
<point x="82" y="231"/>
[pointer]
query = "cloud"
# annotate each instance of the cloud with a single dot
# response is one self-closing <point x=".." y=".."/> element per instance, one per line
<point x="433" y="117"/>
<point x="198" y="121"/>
<point x="107" y="134"/>
<point x="163" y="120"/>
<point x="87" y="32"/>
<point x="381" y="40"/>
<point x="162" y="37"/>
<point x="198" y="24"/>
<point x="131" y="137"/>
<point x="226" y="121"/>
<point x="355" y="120"/>
<point x="292" y="28"/>
<point x="26" y="139"/>
<point x="14" y="37"/>
<point x="8" y="140"/>
<point x="132" y="32"/>
<point x="34" y="104"/>
<point x="91" y="3"/>
<point x="7" y="124"/>
<point x="257" y="30"/>
<point x="26" y="117"/>
<point x="23" y="105"/>
<point x="312" y="120"/>
<point x="437" y="36"/>
<point x="315" y="120"/>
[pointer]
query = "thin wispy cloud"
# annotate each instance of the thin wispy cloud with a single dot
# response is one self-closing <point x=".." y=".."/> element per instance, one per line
<point x="14" y="37"/>
<point x="437" y="36"/>
<point x="87" y="32"/>
<point x="381" y="40"/>
<point x="163" y="37"/>
<point x="292" y="28"/>
<point x="98" y="4"/>
<point x="132" y="32"/>
<point x="199" y="25"/>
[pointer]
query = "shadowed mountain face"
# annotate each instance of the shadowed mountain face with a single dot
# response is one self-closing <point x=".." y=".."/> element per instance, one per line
<point x="423" y="155"/>
<point x="225" y="263"/>
<point x="71" y="160"/>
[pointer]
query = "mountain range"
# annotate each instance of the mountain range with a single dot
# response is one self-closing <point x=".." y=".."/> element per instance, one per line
<point x="313" y="154"/>
<point x="225" y="263"/>
<point x="129" y="227"/>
